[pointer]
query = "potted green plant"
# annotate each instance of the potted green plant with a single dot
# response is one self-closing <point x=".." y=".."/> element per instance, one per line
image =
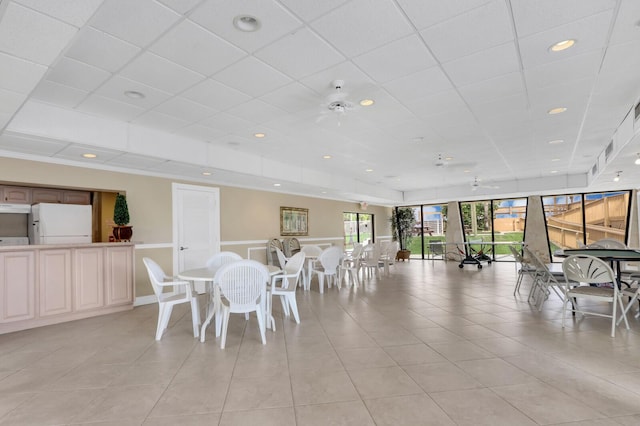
<point x="122" y="231"/>
<point x="402" y="222"/>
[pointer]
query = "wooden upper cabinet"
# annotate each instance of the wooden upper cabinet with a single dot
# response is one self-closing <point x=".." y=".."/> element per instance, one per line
<point x="46" y="195"/>
<point x="16" y="194"/>
<point x="76" y="197"/>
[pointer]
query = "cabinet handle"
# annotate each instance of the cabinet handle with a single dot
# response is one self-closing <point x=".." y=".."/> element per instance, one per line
<point x="183" y="248"/>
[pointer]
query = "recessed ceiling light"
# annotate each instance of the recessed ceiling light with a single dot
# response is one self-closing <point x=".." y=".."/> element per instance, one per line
<point x="367" y="102"/>
<point x="276" y="184"/>
<point x="246" y="23"/>
<point x="448" y="158"/>
<point x="466" y="171"/>
<point x="617" y="177"/>
<point x="556" y="110"/>
<point x="323" y="192"/>
<point x="555" y="141"/>
<point x="368" y="170"/>
<point x="259" y="135"/>
<point x="553" y="171"/>
<point x="637" y="162"/>
<point x="326" y="157"/>
<point x="206" y="173"/>
<point x="134" y="95"/>
<point x="89" y="155"/>
<point x="562" y="45"/>
<point x="555" y="159"/>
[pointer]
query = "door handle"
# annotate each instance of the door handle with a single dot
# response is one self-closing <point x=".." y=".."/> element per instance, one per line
<point x="183" y="248"/>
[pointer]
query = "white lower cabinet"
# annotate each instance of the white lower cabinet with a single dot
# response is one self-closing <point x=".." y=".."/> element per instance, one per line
<point x="47" y="284"/>
<point x="54" y="282"/>
<point x="89" y="278"/>
<point x="17" y="286"/>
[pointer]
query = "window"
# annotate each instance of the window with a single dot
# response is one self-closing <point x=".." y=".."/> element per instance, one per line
<point x="573" y="220"/>
<point x="358" y="227"/>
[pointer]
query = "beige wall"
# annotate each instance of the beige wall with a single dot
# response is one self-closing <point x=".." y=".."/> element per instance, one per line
<point x="246" y="216"/>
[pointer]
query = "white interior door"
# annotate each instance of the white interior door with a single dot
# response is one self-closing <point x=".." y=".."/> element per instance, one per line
<point x="196" y="226"/>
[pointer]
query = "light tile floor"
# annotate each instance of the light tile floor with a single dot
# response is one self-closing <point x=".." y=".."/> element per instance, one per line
<point x="430" y="345"/>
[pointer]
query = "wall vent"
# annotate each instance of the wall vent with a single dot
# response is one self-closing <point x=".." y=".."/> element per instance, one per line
<point x="608" y="151"/>
<point x="594" y="170"/>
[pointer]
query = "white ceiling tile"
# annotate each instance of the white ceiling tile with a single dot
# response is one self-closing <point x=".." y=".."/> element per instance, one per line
<point x="626" y="19"/>
<point x="180" y="6"/>
<point x="58" y="94"/>
<point x="215" y="95"/>
<point x="226" y="123"/>
<point x="10" y="101"/>
<point x="312" y="54"/>
<point x="197" y="49"/>
<point x="446" y="101"/>
<point x="590" y="33"/>
<point x="535" y="16"/>
<point x="28" y="145"/>
<point x="99" y="105"/>
<point x="217" y="16"/>
<point x="355" y="81"/>
<point x="139" y="22"/>
<point x="161" y="73"/>
<point x="396" y="59"/>
<point x="425" y="13"/>
<point x="310" y="10"/>
<point x="482" y="28"/>
<point x="102" y="50"/>
<point x="200" y="132"/>
<point x="77" y="74"/>
<point x="252" y="76"/>
<point x="185" y="109"/>
<point x="256" y="111"/>
<point x="75" y="151"/>
<point x="74" y="12"/>
<point x="159" y="121"/>
<point x="30" y="35"/>
<point x="19" y="75"/>
<point x="362" y="25"/>
<point x="419" y="85"/>
<point x="116" y="87"/>
<point x="292" y="98"/>
<point x="483" y="65"/>
<point x="135" y="161"/>
<point x="564" y="71"/>
<point x="495" y="88"/>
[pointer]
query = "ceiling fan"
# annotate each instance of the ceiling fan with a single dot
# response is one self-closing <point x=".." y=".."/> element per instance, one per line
<point x="445" y="162"/>
<point x="336" y="102"/>
<point x="476" y="184"/>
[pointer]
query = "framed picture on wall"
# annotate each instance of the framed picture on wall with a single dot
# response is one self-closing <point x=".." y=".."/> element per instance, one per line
<point x="294" y="221"/>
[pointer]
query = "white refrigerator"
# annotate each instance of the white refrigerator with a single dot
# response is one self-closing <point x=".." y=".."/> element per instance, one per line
<point x="60" y="223"/>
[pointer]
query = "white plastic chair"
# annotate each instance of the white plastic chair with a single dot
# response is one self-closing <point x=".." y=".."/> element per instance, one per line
<point x="214" y="263"/>
<point x="311" y="252"/>
<point x="371" y="259"/>
<point x="282" y="259"/>
<point x="350" y="266"/>
<point x="166" y="301"/>
<point x="287" y="289"/>
<point x="327" y="265"/>
<point x="591" y="270"/>
<point x="388" y="255"/>
<point x="243" y="287"/>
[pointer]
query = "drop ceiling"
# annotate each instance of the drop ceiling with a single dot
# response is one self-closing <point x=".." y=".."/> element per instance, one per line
<point x="461" y="92"/>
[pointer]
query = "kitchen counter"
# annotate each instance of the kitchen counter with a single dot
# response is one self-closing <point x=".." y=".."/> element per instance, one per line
<point x="53" y="283"/>
<point x="49" y="246"/>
